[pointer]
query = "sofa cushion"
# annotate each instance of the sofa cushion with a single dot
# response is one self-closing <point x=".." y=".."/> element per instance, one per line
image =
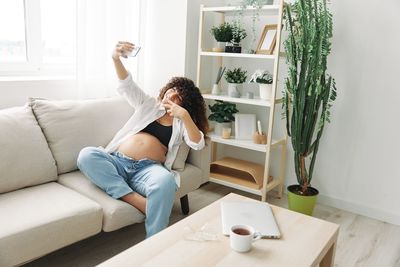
<point x="71" y="125"/>
<point x="117" y="213"/>
<point x="181" y="156"/>
<point x="25" y="157"/>
<point x="42" y="219"/>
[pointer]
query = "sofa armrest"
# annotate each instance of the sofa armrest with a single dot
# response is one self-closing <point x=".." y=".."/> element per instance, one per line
<point x="201" y="159"/>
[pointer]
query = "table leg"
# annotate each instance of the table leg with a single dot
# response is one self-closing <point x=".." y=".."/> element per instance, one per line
<point x="329" y="257"/>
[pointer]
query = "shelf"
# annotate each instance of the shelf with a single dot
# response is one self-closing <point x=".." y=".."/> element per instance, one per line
<point x="239" y="55"/>
<point x="234" y="185"/>
<point x="242" y="100"/>
<point x="238" y="171"/>
<point x="266" y="9"/>
<point x="258" y="192"/>
<point x="248" y="144"/>
<point x="240" y="174"/>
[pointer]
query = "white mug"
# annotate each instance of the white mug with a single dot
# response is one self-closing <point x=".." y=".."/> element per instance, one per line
<point x="242" y="236"/>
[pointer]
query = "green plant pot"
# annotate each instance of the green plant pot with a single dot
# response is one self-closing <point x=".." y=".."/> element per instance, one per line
<point x="302" y="203"/>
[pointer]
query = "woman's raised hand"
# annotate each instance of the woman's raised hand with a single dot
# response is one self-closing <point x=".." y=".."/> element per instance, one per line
<point x="122" y="49"/>
<point x="174" y="109"/>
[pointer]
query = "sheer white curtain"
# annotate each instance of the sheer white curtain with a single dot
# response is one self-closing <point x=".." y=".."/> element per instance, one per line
<point x="100" y="24"/>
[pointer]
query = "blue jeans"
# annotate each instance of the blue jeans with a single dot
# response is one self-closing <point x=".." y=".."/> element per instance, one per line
<point x="119" y="175"/>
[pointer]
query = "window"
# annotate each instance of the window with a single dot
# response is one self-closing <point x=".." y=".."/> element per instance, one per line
<point x="58" y="30"/>
<point x="12" y="31"/>
<point x="37" y="37"/>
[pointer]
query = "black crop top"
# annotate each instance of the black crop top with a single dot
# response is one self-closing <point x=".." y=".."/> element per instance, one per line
<point x="163" y="133"/>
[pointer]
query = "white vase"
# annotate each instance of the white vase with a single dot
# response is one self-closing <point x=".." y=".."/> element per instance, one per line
<point x="265" y="91"/>
<point x="220" y="47"/>
<point x="216" y="90"/>
<point x="235" y="89"/>
<point x="220" y="125"/>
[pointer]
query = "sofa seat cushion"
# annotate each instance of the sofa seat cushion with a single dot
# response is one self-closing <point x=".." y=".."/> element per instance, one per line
<point x="117" y="213"/>
<point x="41" y="219"/>
<point x="70" y="125"/>
<point x="25" y="157"/>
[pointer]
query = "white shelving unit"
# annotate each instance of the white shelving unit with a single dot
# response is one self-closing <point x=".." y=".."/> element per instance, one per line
<point x="242" y="100"/>
<point x="267" y="9"/>
<point x="248" y="144"/>
<point x="222" y="54"/>
<point x="243" y="175"/>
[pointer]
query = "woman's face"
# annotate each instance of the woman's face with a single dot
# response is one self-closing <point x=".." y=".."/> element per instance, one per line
<point x="173" y="95"/>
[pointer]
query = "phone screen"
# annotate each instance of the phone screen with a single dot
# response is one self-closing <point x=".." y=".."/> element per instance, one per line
<point x="135" y="51"/>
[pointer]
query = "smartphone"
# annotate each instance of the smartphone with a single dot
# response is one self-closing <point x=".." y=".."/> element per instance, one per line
<point x="134" y="52"/>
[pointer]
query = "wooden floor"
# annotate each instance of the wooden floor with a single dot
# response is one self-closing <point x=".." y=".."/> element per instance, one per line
<point x="362" y="241"/>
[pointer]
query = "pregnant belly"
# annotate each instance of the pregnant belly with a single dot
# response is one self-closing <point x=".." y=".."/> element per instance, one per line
<point x="143" y="145"/>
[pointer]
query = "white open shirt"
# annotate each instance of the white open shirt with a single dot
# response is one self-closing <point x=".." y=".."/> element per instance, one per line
<point x="147" y="110"/>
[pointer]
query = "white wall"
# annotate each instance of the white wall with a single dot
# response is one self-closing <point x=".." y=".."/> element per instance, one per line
<point x="356" y="168"/>
<point x="170" y="40"/>
<point x="165" y="42"/>
<point x="16" y="93"/>
<point x="193" y="12"/>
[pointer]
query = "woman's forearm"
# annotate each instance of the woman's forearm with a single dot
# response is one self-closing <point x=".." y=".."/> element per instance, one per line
<point x="121" y="49"/>
<point x="122" y="73"/>
<point x="191" y="128"/>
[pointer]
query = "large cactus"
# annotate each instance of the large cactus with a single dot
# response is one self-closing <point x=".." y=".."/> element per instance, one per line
<point x="309" y="90"/>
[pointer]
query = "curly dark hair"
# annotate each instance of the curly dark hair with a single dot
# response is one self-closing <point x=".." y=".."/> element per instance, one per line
<point x="192" y="100"/>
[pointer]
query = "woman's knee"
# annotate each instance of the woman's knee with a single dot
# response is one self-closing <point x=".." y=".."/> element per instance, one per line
<point x="168" y="182"/>
<point x="165" y="183"/>
<point x="87" y="155"/>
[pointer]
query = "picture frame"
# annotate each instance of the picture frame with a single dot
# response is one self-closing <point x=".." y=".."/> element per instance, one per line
<point x="245" y="126"/>
<point x="267" y="41"/>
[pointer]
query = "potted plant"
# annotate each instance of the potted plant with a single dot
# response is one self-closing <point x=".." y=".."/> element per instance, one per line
<point x="222" y="113"/>
<point x="222" y="34"/>
<point x="235" y="79"/>
<point x="238" y="34"/>
<point x="264" y="80"/>
<point x="309" y="92"/>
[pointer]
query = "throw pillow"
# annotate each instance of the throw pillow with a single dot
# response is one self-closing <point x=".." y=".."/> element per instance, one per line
<point x="70" y="125"/>
<point x="181" y="156"/>
<point x="25" y="157"/>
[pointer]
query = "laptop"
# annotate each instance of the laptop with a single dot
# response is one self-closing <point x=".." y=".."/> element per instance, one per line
<point x="254" y="213"/>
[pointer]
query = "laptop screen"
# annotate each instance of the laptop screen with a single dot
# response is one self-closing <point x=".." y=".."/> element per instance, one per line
<point x="254" y="213"/>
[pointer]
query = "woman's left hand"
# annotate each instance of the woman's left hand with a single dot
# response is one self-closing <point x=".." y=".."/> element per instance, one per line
<point x="174" y="109"/>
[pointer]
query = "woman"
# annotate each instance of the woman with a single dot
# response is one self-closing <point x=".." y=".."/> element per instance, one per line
<point x="136" y="165"/>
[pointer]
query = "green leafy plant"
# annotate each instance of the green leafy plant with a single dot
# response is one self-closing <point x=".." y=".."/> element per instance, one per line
<point x="309" y="90"/>
<point x="237" y="75"/>
<point x="238" y="33"/>
<point x="222" y="111"/>
<point x="261" y="76"/>
<point x="222" y="33"/>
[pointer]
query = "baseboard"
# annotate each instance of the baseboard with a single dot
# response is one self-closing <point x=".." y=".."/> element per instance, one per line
<point x="359" y="209"/>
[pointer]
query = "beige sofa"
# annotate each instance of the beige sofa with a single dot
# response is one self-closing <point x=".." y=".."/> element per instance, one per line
<point x="45" y="202"/>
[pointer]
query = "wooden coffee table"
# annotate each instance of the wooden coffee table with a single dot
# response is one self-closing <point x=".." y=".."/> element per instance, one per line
<point x="306" y="241"/>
